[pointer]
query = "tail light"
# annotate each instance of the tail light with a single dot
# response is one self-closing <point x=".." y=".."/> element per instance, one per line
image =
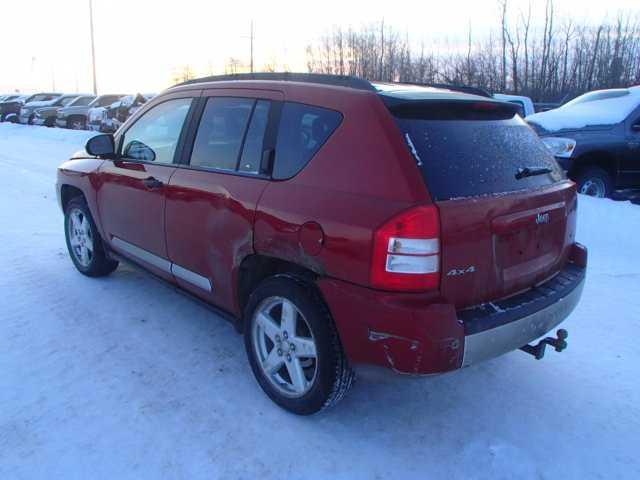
<point x="406" y="251"/>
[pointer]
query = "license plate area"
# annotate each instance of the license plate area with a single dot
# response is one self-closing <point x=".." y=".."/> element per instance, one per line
<point x="528" y="244"/>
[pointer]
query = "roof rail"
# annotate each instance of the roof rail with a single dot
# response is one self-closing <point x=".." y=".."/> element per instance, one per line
<point x="335" y="80"/>
<point x="457" y="88"/>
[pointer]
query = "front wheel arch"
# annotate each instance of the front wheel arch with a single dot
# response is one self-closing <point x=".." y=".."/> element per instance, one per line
<point x="69" y="192"/>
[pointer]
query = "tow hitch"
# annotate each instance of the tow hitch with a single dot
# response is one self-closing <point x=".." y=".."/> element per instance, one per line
<point x="558" y="343"/>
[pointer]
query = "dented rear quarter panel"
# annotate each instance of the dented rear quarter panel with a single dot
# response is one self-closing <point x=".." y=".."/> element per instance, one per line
<point x="349" y="189"/>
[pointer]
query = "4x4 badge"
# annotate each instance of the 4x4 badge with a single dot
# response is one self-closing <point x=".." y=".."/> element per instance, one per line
<point x="542" y="218"/>
<point x="456" y="272"/>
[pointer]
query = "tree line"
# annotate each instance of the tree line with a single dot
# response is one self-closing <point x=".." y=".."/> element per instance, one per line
<point x="550" y="61"/>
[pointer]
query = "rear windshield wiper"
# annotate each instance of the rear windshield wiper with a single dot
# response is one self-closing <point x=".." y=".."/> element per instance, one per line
<point x="524" y="172"/>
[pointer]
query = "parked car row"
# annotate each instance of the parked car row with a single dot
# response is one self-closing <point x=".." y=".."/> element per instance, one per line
<point x="78" y="111"/>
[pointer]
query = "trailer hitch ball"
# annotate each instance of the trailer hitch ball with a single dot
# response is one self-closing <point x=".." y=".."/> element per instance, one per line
<point x="559" y="344"/>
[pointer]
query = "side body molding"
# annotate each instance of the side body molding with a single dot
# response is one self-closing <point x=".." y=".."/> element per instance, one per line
<point x="163" y="264"/>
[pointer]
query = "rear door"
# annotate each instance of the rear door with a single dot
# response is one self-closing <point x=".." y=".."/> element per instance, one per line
<point x="212" y="196"/>
<point x="501" y="232"/>
<point x="131" y="194"/>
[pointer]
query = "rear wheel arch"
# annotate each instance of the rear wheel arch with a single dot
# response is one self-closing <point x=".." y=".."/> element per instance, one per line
<point x="254" y="269"/>
<point x="601" y="159"/>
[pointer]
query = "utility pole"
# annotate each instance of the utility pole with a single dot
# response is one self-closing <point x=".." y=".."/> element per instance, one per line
<point x="93" y="48"/>
<point x="251" y="46"/>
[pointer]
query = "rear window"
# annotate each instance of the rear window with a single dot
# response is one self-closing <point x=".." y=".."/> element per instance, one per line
<point x="303" y="130"/>
<point x="473" y="156"/>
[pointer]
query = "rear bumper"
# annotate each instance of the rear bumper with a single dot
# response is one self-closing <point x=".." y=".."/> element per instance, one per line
<point x="39" y="120"/>
<point x="497" y="328"/>
<point x="418" y="334"/>
<point x="61" y="122"/>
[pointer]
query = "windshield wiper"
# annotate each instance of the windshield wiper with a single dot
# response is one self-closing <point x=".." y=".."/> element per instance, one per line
<point x="524" y="172"/>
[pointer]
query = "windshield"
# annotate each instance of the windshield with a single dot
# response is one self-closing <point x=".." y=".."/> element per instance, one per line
<point x="597" y="95"/>
<point x="466" y="158"/>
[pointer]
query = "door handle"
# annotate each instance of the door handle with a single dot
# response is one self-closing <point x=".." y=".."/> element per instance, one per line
<point x="152" y="183"/>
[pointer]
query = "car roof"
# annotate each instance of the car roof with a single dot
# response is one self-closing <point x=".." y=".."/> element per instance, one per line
<point x="281" y="79"/>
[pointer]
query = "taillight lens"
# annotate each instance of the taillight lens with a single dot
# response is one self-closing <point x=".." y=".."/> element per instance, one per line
<point x="406" y="251"/>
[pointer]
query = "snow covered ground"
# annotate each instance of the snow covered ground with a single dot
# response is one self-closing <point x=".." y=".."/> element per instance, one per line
<point x="124" y="378"/>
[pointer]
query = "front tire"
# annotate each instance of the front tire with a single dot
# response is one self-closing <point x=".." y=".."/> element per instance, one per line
<point x="293" y="347"/>
<point x="595" y="182"/>
<point x="76" y="123"/>
<point x="83" y="241"/>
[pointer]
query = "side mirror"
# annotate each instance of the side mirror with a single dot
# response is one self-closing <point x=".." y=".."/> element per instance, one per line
<point x="101" y="146"/>
<point x="139" y="151"/>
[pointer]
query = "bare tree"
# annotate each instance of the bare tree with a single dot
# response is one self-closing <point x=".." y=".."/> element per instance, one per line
<point x="562" y="59"/>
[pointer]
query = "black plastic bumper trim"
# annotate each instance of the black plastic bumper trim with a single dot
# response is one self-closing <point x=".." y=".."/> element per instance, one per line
<point x="494" y="314"/>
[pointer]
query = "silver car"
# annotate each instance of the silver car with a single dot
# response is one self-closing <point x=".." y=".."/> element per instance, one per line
<point x="47" y="115"/>
<point x="76" y="116"/>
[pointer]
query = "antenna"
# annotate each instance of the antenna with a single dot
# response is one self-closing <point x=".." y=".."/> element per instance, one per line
<point x="251" y="46"/>
<point x="93" y="49"/>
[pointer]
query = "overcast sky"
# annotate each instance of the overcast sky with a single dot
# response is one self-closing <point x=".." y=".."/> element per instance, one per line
<point x="139" y="43"/>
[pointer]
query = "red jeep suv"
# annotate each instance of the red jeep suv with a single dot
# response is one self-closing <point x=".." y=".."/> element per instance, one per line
<point x="336" y="222"/>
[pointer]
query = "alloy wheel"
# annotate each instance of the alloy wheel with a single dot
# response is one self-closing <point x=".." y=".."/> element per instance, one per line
<point x="285" y="346"/>
<point x="80" y="237"/>
<point x="593" y="187"/>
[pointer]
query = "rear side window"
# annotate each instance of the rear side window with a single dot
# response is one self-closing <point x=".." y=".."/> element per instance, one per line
<point x="475" y="156"/>
<point x="303" y="130"/>
<point x="220" y="133"/>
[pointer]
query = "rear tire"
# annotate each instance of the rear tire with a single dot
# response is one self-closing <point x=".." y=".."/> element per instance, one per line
<point x="83" y="241"/>
<point x="595" y="182"/>
<point x="316" y="373"/>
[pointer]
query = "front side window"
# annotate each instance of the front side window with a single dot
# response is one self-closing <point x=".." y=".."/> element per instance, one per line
<point x="303" y="130"/>
<point x="105" y="101"/>
<point x="82" y="101"/>
<point x="221" y="132"/>
<point x="154" y="136"/>
<point x="64" y="101"/>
